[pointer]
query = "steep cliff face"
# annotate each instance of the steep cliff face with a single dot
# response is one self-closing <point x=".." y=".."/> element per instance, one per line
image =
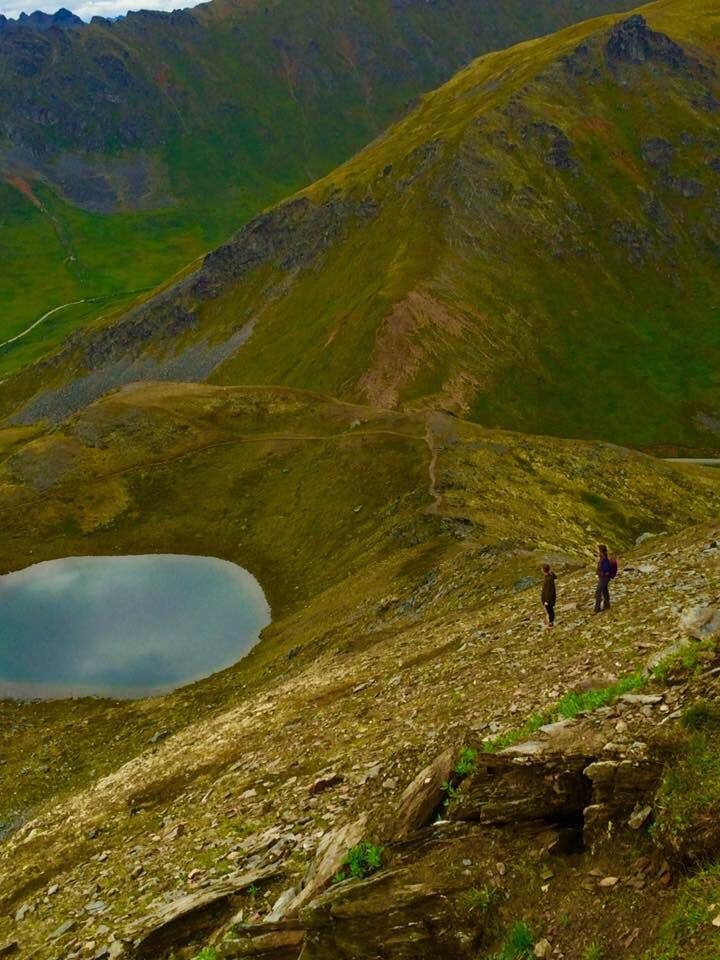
<point x="535" y="247"/>
<point x="128" y="147"/>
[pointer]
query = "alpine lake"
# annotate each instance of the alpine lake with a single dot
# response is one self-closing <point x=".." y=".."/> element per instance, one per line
<point x="124" y="627"/>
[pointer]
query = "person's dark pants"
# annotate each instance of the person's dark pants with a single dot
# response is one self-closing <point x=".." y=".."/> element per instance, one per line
<point x="602" y="594"/>
<point x="550" y="607"/>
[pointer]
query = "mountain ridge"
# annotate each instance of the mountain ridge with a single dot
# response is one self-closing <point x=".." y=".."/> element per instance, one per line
<point x="129" y="147"/>
<point x="503" y="165"/>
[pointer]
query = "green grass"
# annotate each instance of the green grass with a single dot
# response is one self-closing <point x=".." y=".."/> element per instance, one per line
<point x="482" y="899"/>
<point x="518" y="943"/>
<point x="574" y="703"/>
<point x="568" y="707"/>
<point x="687" y="806"/>
<point x="702" y="715"/>
<point x="687" y="932"/>
<point x="687" y="660"/>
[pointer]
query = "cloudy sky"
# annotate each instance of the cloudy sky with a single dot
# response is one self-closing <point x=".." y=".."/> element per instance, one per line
<point x="91" y="8"/>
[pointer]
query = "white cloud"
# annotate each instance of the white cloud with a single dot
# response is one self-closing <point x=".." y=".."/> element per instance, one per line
<point x="92" y="8"/>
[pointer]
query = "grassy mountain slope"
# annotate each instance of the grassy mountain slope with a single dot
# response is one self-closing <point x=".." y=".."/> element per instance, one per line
<point x="129" y="147"/>
<point x="535" y="246"/>
<point x="394" y="548"/>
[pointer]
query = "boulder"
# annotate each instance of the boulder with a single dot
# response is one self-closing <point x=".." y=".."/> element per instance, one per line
<point x="700" y="621"/>
<point x="325" y="782"/>
<point x="422" y="798"/>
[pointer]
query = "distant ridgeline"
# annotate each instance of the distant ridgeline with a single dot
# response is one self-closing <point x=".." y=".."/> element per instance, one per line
<point x="62" y="19"/>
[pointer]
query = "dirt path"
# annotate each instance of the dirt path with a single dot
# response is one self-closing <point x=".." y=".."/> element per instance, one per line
<point x="436" y="424"/>
<point x="45" y="316"/>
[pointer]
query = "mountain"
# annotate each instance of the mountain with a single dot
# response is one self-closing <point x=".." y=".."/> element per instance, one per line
<point x="534" y="247"/>
<point x="400" y="553"/>
<point x="129" y="147"/>
<point x="62" y="19"/>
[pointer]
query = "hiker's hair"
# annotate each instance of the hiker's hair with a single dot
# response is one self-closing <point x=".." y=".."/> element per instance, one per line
<point x="602" y="548"/>
<point x="546" y="567"/>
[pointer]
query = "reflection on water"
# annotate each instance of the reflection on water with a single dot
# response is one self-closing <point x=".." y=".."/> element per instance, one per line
<point x="124" y="626"/>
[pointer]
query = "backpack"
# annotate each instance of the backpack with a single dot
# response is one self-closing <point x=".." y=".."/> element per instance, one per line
<point x="613" y="567"/>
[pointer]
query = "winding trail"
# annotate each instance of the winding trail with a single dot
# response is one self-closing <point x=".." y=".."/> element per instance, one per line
<point x="105" y="298"/>
<point x="45" y="316"/>
<point x="437" y="426"/>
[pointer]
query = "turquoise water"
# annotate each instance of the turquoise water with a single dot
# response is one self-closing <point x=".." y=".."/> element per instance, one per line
<point x="124" y="626"/>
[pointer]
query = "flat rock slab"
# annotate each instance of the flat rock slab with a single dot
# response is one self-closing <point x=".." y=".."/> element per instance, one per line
<point x="263" y="941"/>
<point x="421" y="798"/>
<point x="329" y="858"/>
<point x="191" y="916"/>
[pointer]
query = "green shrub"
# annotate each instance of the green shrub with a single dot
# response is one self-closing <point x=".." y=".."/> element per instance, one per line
<point x="593" y="952"/>
<point x="361" y="861"/>
<point x="208" y="953"/>
<point x="466" y="762"/>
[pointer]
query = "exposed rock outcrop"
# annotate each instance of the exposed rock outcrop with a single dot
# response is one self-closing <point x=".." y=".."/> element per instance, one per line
<point x="190" y="917"/>
<point x="633" y="42"/>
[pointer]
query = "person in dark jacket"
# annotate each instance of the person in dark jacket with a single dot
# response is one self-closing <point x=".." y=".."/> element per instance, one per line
<point x="549" y="594"/>
<point x="604" y="576"/>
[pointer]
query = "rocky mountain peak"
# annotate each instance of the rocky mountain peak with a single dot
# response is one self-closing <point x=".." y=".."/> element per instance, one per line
<point x="63" y="18"/>
<point x="632" y="41"/>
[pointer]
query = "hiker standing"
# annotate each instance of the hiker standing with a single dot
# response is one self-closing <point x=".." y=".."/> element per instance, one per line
<point x="549" y="594"/>
<point x="606" y="570"/>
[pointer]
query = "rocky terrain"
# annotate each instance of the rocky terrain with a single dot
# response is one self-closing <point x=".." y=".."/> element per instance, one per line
<point x="129" y="147"/>
<point x="554" y="190"/>
<point x="406" y="631"/>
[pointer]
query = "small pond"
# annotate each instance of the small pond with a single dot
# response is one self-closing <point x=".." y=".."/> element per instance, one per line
<point x="124" y="626"/>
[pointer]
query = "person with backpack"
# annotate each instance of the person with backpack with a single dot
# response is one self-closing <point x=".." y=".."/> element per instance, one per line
<point x="549" y="594"/>
<point x="606" y="571"/>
